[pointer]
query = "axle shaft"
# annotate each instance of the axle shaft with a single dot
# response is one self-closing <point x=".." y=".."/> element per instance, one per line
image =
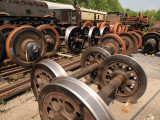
<point x="85" y="71"/>
<point x="106" y="91"/>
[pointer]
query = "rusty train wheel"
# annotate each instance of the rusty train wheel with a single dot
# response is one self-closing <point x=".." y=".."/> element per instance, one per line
<point x="113" y="43"/>
<point x="139" y="32"/>
<point x="138" y="38"/>
<point x="43" y="73"/>
<point x="111" y="29"/>
<point x="6" y="29"/>
<point x="51" y="36"/>
<point x="88" y="23"/>
<point x="118" y="27"/>
<point x="23" y="42"/>
<point x="150" y="42"/>
<point x="130" y="42"/>
<point x="99" y="25"/>
<point x="69" y="99"/>
<point x="135" y="82"/>
<point x="2" y="47"/>
<point x="93" y="55"/>
<point x="126" y="30"/>
<point x="104" y="24"/>
<point x="123" y="29"/>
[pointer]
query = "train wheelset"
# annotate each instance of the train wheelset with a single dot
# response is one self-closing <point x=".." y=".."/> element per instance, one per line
<point x="26" y="45"/>
<point x="25" y="49"/>
<point x="119" y="77"/>
<point x="122" y="43"/>
<point x="151" y="42"/>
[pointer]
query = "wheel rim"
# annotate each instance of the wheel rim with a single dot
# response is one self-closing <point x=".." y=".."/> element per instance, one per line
<point x="138" y="38"/>
<point x="93" y="55"/>
<point x="115" y="41"/>
<point x="135" y="84"/>
<point x="16" y="42"/>
<point x="73" y="99"/>
<point x="118" y="27"/>
<point x="92" y="40"/>
<point x="88" y="23"/>
<point x="105" y="24"/>
<point x="130" y="42"/>
<point x="43" y="73"/>
<point x="6" y="29"/>
<point x="52" y="38"/>
<point x="105" y="30"/>
<point x="139" y="32"/>
<point x="70" y="39"/>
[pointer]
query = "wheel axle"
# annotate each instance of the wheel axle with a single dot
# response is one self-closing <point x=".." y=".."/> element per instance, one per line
<point x="115" y="73"/>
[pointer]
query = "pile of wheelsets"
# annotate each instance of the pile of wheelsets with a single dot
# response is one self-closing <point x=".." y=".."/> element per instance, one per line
<point x="26" y="45"/>
<point x="62" y="97"/>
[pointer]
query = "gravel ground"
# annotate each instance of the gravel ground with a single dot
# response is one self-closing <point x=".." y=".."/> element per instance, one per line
<point x="24" y="106"/>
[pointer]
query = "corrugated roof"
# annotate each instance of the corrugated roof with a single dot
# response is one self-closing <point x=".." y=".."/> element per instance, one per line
<point x="52" y="5"/>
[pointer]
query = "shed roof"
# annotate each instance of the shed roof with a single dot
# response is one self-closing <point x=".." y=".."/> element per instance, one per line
<point x="52" y="5"/>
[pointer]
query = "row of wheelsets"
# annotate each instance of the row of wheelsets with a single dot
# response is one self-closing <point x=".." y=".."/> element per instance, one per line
<point x="63" y="97"/>
<point x="26" y="45"/>
<point x="149" y="42"/>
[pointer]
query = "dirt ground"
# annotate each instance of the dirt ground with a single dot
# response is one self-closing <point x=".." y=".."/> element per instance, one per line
<point x="24" y="106"/>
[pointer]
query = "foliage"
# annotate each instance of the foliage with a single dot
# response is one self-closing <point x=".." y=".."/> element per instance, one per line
<point x="102" y="5"/>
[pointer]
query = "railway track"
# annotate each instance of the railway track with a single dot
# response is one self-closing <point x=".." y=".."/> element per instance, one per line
<point x="10" y="89"/>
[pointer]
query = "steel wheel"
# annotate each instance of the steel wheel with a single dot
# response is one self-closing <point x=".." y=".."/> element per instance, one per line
<point x="105" y="30"/>
<point x="88" y="23"/>
<point x="139" y="32"/>
<point x="130" y="42"/>
<point x="150" y="42"/>
<point x="104" y="24"/>
<point x="113" y="44"/>
<point x="92" y="55"/>
<point x="43" y="74"/>
<point x="135" y="82"/>
<point x="24" y="41"/>
<point x="138" y="38"/>
<point x="118" y="27"/>
<point x="99" y="25"/>
<point x="52" y="38"/>
<point x="93" y="32"/>
<point x="6" y="29"/>
<point x="72" y="34"/>
<point x="69" y="99"/>
<point x="2" y="46"/>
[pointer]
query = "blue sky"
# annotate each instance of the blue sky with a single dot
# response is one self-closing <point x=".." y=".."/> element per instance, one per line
<point x="139" y="5"/>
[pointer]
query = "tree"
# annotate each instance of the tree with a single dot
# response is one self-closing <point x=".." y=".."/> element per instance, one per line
<point x="157" y="15"/>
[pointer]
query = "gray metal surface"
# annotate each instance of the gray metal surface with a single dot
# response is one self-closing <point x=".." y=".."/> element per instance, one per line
<point x="53" y="70"/>
<point x="84" y="95"/>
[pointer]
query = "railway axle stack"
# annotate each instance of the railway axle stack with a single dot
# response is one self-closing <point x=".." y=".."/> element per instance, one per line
<point x="118" y="75"/>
